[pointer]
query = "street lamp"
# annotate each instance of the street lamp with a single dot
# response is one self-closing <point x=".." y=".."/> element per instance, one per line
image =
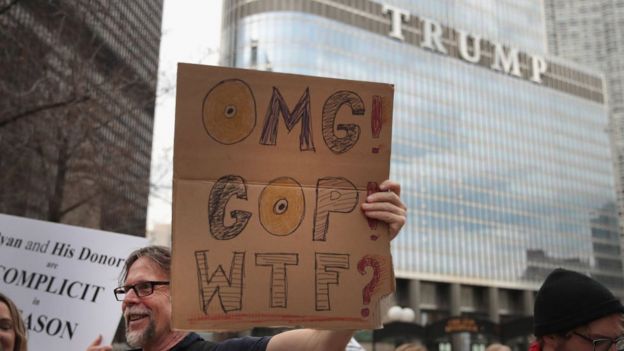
<point x="401" y="314"/>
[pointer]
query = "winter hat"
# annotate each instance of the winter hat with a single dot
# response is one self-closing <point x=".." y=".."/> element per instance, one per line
<point x="569" y="299"/>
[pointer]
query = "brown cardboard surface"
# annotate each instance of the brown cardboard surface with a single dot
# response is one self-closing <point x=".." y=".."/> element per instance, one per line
<point x="269" y="173"/>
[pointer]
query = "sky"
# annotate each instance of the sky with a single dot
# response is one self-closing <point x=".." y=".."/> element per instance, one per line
<point x="190" y="33"/>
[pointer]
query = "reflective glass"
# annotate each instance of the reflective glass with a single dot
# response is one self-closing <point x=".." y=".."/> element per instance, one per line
<point x="505" y="179"/>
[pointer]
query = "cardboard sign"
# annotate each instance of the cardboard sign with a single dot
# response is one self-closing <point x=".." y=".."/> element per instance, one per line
<point x="269" y="174"/>
<point x="62" y="278"/>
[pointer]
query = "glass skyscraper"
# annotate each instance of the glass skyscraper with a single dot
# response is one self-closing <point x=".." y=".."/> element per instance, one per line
<point x="502" y="150"/>
<point x="592" y="33"/>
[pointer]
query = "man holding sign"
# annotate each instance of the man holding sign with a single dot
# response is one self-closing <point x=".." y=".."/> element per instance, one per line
<point x="270" y="170"/>
<point x="147" y="299"/>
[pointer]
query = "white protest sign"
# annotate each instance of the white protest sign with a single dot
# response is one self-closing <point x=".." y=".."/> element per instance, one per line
<point x="62" y="278"/>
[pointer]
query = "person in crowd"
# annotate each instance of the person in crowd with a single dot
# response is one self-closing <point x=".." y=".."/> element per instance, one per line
<point x="147" y="307"/>
<point x="573" y="312"/>
<point x="498" y="347"/>
<point x="412" y="346"/>
<point x="354" y="345"/>
<point x="12" y="329"/>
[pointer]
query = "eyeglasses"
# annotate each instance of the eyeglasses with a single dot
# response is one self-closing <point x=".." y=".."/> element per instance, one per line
<point x="604" y="344"/>
<point x="141" y="289"/>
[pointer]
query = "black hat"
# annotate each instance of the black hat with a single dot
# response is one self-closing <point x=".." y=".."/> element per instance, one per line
<point x="569" y="299"/>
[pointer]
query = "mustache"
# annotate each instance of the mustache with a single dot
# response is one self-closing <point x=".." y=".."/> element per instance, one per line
<point x="136" y="310"/>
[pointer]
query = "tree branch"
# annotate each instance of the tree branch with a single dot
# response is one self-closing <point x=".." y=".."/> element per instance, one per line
<point x="8" y="7"/>
<point x="43" y="107"/>
<point x="79" y="203"/>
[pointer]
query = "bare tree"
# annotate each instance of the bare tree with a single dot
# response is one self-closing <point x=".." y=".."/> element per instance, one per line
<point x="75" y="118"/>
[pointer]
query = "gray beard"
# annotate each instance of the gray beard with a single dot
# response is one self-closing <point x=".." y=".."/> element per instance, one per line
<point x="138" y="339"/>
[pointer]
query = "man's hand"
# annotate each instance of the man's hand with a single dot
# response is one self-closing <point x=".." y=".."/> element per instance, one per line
<point x="96" y="345"/>
<point x="386" y="205"/>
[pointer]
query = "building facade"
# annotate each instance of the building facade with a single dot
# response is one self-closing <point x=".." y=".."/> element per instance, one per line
<point x="592" y="33"/>
<point x="501" y="149"/>
<point x="78" y="81"/>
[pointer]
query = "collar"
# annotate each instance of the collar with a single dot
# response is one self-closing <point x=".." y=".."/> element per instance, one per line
<point x="187" y="341"/>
